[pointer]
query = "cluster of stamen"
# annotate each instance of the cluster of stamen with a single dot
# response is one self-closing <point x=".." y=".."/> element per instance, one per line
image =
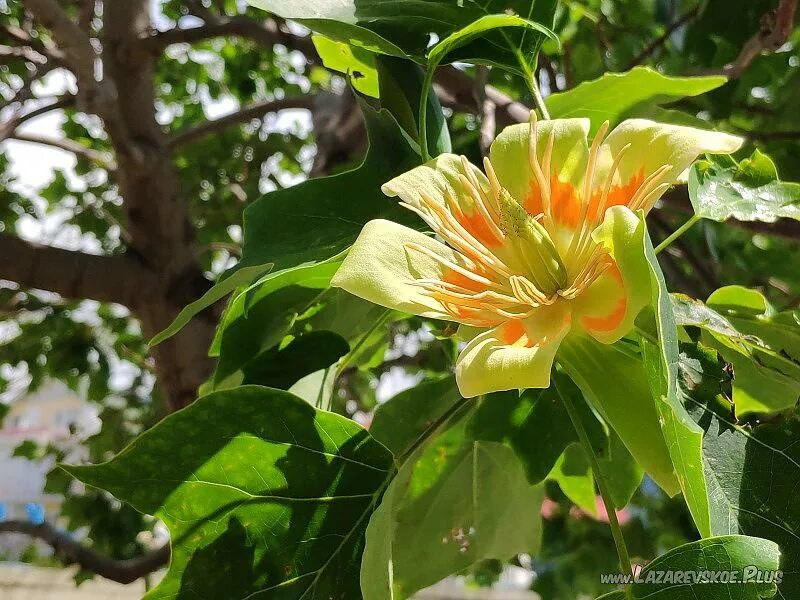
<point x="512" y="263"/>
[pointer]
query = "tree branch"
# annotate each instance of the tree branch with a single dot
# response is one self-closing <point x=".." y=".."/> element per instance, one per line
<point x="253" y="111"/>
<point x="267" y="33"/>
<point x="457" y="90"/>
<point x="662" y="39"/>
<point x="74" y="274"/>
<point x="64" y="545"/>
<point x="72" y="40"/>
<point x="776" y="26"/>
<point x="8" y="128"/>
<point x="94" y="156"/>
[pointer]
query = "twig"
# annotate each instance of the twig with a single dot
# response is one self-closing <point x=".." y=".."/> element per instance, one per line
<point x="662" y="39"/>
<point x="488" y="120"/>
<point x="72" y="146"/>
<point x="776" y="26"/>
<point x="64" y="545"/>
<point x="9" y="127"/>
<point x="266" y="33"/>
<point x="253" y="111"/>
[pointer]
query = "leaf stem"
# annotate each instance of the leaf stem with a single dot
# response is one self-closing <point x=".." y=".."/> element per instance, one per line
<point x="533" y="85"/>
<point x="602" y="485"/>
<point x="422" y="119"/>
<point x="678" y="232"/>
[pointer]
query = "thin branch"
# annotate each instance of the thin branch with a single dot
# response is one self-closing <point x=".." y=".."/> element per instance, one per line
<point x="776" y="26"/>
<point x="457" y="90"/>
<point x="662" y="39"/>
<point x="65" y="546"/>
<point x="72" y="146"/>
<point x="9" y="54"/>
<point x="266" y="33"/>
<point x="254" y="111"/>
<point x="9" y="127"/>
<point x="75" y="274"/>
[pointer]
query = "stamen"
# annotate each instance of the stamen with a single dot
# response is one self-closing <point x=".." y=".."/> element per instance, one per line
<point x="494" y="183"/>
<point x="543" y="181"/>
<point x="450" y="264"/>
<point x="462" y="238"/>
<point x="601" y="209"/>
<point x="647" y="186"/>
<point x="650" y="199"/>
<point x="587" y="187"/>
<point x="477" y="197"/>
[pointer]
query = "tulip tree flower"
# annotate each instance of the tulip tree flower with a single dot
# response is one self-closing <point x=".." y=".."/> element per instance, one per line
<point x="544" y="245"/>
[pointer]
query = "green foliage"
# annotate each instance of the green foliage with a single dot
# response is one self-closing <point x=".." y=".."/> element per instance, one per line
<point x="752" y="470"/>
<point x="722" y="188"/>
<point x="264" y="493"/>
<point x="724" y="553"/>
<point x="761" y="344"/>
<point x="270" y="498"/>
<point x="617" y="96"/>
<point x="403" y="31"/>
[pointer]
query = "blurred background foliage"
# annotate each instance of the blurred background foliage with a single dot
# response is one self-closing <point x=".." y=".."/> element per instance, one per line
<point x="100" y="348"/>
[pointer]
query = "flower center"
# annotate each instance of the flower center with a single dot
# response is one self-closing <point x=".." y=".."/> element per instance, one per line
<point x="510" y="262"/>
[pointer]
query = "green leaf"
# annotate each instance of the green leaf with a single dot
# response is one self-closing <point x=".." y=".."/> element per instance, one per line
<point x="442" y="513"/>
<point x="721" y="189"/>
<point x="737" y="553"/>
<point x="616" y="384"/>
<point x="281" y="366"/>
<point x="221" y="289"/>
<point x="318" y="219"/>
<point x="459" y="38"/>
<point x="534" y="424"/>
<point x="753" y="472"/>
<point x="623" y="474"/>
<point x="480" y="27"/>
<point x="401" y="84"/>
<point x="762" y="345"/>
<point x="616" y="96"/>
<point x="403" y="28"/>
<point x="354" y="61"/>
<point x="402" y="421"/>
<point x="263" y="495"/>
<point x="574" y="476"/>
<point x="682" y="434"/>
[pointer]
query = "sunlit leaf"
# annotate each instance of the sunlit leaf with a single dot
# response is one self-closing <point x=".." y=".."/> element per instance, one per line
<point x="354" y="61"/>
<point x="721" y="188"/>
<point x="762" y="345"/>
<point x="263" y="495"/>
<point x="753" y="472"/>
<point x="616" y="96"/>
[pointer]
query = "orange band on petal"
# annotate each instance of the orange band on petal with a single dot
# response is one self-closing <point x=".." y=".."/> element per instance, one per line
<point x="618" y="195"/>
<point x="612" y="320"/>
<point x="461" y="280"/>
<point x="514" y="333"/>
<point x="565" y="204"/>
<point x="476" y="224"/>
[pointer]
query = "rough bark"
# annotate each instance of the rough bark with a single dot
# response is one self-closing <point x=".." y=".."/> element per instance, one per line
<point x="158" y="219"/>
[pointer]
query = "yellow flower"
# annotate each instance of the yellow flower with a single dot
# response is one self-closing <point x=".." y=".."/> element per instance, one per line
<point x="540" y="246"/>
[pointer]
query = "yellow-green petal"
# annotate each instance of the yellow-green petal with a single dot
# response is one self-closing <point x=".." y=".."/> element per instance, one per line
<point x="607" y="309"/>
<point x="647" y="146"/>
<point x="501" y="359"/>
<point x="380" y="268"/>
<point x="509" y="155"/>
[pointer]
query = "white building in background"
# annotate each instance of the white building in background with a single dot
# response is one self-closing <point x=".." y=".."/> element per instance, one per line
<point x="46" y="416"/>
